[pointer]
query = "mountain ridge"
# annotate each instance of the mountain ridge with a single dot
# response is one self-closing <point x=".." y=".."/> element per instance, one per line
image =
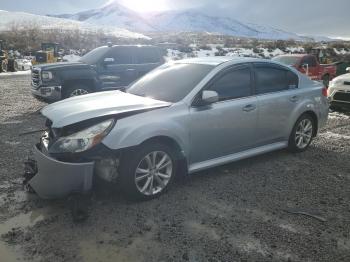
<point x="189" y="20"/>
<point x="22" y="20"/>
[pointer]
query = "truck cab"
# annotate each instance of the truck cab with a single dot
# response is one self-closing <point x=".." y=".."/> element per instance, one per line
<point x="309" y="65"/>
<point x="104" y="68"/>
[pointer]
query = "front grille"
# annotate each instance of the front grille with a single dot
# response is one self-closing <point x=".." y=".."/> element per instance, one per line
<point x="36" y="78"/>
<point x="339" y="96"/>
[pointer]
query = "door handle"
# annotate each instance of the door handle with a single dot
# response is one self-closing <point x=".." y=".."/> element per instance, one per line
<point x="249" y="108"/>
<point x="130" y="70"/>
<point x="294" y="99"/>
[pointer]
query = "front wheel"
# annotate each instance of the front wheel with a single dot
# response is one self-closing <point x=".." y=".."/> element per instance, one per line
<point x="302" y="134"/>
<point x="148" y="171"/>
<point x="76" y="90"/>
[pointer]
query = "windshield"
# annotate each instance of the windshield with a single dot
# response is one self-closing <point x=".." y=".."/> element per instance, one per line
<point x="94" y="56"/>
<point x="170" y="82"/>
<point x="287" y="60"/>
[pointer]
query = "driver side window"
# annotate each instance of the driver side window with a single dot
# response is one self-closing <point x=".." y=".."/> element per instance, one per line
<point x="233" y="84"/>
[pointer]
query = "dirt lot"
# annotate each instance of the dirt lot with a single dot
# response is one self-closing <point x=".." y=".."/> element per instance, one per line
<point x="237" y="212"/>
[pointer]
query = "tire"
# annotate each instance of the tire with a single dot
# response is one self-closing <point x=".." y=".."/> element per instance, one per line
<point x="300" y="139"/>
<point x="136" y="159"/>
<point x="326" y="80"/>
<point x="76" y="90"/>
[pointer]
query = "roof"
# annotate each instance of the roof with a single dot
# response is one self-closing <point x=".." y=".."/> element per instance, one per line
<point x="217" y="60"/>
<point x="295" y="55"/>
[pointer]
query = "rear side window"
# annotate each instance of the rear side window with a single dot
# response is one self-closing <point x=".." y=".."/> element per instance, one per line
<point x="147" y="55"/>
<point x="121" y="56"/>
<point x="274" y="79"/>
<point x="234" y="83"/>
<point x="292" y="80"/>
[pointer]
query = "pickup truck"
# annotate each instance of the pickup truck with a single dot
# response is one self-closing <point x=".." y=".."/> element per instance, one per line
<point x="104" y="68"/>
<point x="308" y="64"/>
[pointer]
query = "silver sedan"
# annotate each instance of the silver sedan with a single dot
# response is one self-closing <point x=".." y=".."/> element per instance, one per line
<point x="183" y="117"/>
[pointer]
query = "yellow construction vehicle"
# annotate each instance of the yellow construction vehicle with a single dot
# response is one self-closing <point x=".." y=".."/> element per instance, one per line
<point x="3" y="58"/>
<point x="47" y="54"/>
<point x="7" y="59"/>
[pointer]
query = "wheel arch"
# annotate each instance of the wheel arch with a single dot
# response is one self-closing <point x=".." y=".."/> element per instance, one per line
<point x="88" y="82"/>
<point x="169" y="141"/>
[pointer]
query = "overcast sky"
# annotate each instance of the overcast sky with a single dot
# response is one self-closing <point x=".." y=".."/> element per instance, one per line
<point x="315" y="17"/>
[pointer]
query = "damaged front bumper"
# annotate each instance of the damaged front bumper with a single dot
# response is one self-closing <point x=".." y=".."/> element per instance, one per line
<point x="55" y="179"/>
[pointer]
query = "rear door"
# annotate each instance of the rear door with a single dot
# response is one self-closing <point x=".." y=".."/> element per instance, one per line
<point x="276" y="89"/>
<point x="228" y="126"/>
<point x="147" y="58"/>
<point x="116" y="68"/>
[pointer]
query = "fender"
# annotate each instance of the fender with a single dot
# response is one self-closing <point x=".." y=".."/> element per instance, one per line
<point x="80" y="75"/>
<point x="134" y="130"/>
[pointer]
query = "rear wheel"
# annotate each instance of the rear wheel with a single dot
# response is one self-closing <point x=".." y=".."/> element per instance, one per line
<point x="302" y="134"/>
<point x="148" y="171"/>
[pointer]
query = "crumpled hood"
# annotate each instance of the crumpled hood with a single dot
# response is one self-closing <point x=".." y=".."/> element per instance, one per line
<point x="80" y="108"/>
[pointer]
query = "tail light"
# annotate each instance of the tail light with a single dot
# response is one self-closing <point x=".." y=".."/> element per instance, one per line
<point x="325" y="92"/>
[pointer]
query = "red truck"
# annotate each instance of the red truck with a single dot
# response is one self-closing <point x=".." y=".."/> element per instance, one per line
<point x="309" y="65"/>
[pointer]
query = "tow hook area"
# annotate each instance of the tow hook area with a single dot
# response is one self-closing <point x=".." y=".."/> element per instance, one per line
<point x="79" y="206"/>
<point x="30" y="170"/>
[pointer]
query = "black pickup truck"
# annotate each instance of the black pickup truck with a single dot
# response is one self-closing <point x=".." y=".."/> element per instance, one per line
<point x="104" y="68"/>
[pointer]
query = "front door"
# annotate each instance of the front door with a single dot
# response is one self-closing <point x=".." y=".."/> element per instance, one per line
<point x="228" y="126"/>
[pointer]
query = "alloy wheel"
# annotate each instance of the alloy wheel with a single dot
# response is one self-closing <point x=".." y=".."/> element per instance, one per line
<point x="153" y="173"/>
<point x="78" y="92"/>
<point x="303" y="133"/>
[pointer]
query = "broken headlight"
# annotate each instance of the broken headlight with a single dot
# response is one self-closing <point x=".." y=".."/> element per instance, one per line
<point x="82" y="140"/>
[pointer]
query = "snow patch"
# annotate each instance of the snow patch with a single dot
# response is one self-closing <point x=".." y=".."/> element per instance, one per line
<point x="19" y="73"/>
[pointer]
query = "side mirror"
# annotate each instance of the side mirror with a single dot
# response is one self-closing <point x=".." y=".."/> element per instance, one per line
<point x="348" y="69"/>
<point x="208" y="97"/>
<point x="108" y="60"/>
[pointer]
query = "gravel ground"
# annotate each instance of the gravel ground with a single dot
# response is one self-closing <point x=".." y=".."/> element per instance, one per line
<point x="238" y="212"/>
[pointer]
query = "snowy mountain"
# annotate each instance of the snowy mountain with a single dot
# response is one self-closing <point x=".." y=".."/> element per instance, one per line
<point x="115" y="14"/>
<point x="112" y="14"/>
<point x="194" y="21"/>
<point x="22" y="20"/>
